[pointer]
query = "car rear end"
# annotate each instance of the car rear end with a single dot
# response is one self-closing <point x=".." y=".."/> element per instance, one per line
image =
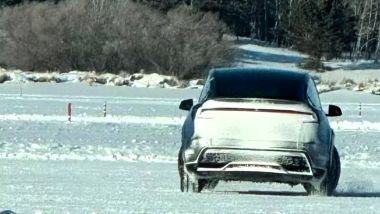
<point x="253" y="140"/>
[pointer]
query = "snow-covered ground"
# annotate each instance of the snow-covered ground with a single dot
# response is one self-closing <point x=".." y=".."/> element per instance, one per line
<point x="126" y="162"/>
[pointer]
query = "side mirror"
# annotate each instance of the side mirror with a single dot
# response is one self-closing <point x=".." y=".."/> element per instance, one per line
<point x="186" y="104"/>
<point x="334" y="111"/>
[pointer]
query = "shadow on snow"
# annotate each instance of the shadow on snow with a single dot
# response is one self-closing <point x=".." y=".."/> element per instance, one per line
<point x="358" y="194"/>
<point x="268" y="193"/>
<point x="289" y="193"/>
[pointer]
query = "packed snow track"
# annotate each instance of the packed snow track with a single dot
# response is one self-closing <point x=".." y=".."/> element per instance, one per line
<point x="126" y="162"/>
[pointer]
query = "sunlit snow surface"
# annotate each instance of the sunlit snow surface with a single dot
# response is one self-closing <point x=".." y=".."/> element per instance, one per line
<point x="126" y="162"/>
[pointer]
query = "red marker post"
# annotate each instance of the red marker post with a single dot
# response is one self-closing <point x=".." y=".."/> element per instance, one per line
<point x="69" y="112"/>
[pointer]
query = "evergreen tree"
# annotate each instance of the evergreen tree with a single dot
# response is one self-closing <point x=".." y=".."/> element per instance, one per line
<point x="10" y="2"/>
<point x="349" y="29"/>
<point x="234" y="13"/>
<point x="163" y="5"/>
<point x="4" y="3"/>
<point x="306" y="28"/>
<point x="339" y="29"/>
<point x="322" y="28"/>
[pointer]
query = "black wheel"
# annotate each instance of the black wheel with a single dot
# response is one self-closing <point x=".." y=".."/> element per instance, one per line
<point x="187" y="185"/>
<point x="309" y="189"/>
<point x="184" y="180"/>
<point x="333" y="174"/>
<point x="197" y="186"/>
<point x="331" y="180"/>
<point x="211" y="184"/>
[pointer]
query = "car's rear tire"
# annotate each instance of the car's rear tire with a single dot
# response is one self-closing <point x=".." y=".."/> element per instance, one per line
<point x="331" y="180"/>
<point x="309" y="189"/>
<point x="333" y="174"/>
<point x="211" y="184"/>
<point x="187" y="185"/>
<point x="197" y="186"/>
<point x="202" y="184"/>
<point x="184" y="180"/>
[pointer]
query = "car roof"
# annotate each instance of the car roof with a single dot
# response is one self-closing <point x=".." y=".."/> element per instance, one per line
<point x="270" y="83"/>
<point x="284" y="74"/>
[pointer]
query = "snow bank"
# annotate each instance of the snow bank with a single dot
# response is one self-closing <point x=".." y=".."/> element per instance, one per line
<point x="153" y="80"/>
<point x="354" y="80"/>
<point x="351" y="65"/>
<point x="360" y="76"/>
<point x="376" y="90"/>
<point x="327" y="87"/>
<point x="370" y="86"/>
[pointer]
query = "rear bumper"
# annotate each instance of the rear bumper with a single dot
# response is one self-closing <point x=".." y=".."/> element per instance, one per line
<point x="283" y="166"/>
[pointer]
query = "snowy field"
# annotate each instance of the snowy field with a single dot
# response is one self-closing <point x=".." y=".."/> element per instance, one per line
<point x="126" y="162"/>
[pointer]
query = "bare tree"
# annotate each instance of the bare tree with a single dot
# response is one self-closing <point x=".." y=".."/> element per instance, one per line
<point x="103" y="35"/>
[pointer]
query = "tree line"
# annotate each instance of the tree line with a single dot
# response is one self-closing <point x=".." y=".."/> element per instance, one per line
<point x="321" y="28"/>
<point x="324" y="29"/>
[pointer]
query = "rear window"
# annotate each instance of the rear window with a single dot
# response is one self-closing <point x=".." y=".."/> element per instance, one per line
<point x="262" y="84"/>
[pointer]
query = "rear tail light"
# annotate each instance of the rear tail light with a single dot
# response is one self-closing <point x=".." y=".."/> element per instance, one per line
<point x="283" y="111"/>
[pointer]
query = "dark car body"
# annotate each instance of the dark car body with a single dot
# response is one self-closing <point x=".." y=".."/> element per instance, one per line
<point x="259" y="125"/>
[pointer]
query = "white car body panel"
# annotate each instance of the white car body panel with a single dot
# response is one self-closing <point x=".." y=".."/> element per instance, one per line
<point x="255" y="123"/>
